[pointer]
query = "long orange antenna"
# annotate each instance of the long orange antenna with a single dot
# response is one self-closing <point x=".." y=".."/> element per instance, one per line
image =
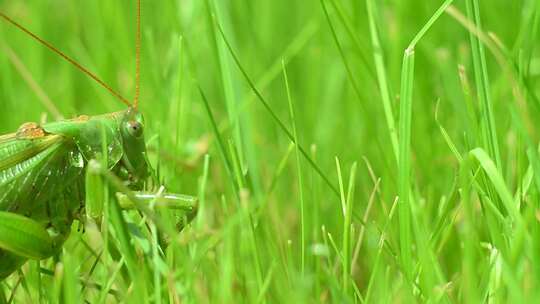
<point x="67" y="58"/>
<point x="137" y="57"/>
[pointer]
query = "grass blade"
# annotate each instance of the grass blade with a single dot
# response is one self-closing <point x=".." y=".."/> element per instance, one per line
<point x="273" y="114"/>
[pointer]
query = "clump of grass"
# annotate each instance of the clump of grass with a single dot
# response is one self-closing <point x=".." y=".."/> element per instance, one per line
<point x="263" y="110"/>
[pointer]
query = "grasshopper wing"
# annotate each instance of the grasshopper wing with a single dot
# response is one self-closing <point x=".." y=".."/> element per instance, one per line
<point x="15" y="150"/>
<point x="36" y="175"/>
<point x="35" y="170"/>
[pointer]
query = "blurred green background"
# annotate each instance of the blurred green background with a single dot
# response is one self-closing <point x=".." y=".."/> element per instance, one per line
<point x="247" y="247"/>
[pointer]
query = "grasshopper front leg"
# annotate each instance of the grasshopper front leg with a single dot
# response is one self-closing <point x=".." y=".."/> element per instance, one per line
<point x="97" y="176"/>
<point x="186" y="204"/>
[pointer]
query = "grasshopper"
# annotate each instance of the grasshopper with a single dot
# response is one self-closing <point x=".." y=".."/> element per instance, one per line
<point x="45" y="170"/>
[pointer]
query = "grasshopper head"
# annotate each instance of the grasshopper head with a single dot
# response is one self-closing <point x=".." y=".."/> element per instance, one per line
<point x="134" y="159"/>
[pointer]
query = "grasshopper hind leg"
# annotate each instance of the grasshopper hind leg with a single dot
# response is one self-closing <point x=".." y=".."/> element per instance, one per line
<point x="22" y="238"/>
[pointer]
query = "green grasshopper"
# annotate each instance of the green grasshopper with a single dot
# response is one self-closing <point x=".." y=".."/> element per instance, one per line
<point x="44" y="171"/>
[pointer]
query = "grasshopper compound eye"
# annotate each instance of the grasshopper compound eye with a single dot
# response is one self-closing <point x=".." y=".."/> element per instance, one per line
<point x="134" y="128"/>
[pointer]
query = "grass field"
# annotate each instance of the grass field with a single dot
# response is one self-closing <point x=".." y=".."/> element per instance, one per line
<point x="415" y="177"/>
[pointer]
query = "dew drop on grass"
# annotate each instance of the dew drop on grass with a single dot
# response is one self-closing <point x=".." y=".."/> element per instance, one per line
<point x="76" y="159"/>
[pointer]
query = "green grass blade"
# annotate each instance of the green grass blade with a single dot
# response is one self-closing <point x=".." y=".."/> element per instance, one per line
<point x="221" y="145"/>
<point x="273" y="114"/>
<point x="405" y="114"/>
<point x="347" y="233"/>
<point x="381" y="75"/>
<point x="346" y="63"/>
<point x="299" y="172"/>
<point x="483" y="89"/>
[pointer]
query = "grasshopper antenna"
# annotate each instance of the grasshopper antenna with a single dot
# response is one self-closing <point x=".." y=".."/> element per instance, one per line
<point x="67" y="58"/>
<point x="137" y="57"/>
